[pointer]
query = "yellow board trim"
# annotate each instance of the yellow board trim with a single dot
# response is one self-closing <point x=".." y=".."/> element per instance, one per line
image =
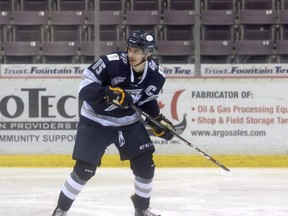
<point x="172" y="161"/>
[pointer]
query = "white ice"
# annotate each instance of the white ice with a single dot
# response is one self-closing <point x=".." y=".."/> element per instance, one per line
<point x="177" y="192"/>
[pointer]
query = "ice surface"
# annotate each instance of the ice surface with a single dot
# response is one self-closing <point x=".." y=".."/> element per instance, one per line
<point x="177" y="192"/>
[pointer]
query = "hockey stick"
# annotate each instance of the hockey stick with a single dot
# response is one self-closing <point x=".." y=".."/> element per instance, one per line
<point x="179" y="137"/>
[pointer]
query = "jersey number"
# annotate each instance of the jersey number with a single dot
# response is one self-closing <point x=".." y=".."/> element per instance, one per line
<point x="99" y="66"/>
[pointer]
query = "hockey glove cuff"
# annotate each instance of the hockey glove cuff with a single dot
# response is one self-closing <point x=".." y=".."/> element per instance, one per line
<point x="118" y="97"/>
<point x="166" y="132"/>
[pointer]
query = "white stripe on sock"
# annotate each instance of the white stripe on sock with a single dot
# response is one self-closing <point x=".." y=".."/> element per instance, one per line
<point x="141" y="194"/>
<point x="142" y="189"/>
<point x="143" y="185"/>
<point x="74" y="184"/>
<point x="75" y="188"/>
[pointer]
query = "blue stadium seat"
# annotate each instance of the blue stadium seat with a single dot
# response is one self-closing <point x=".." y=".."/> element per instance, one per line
<point x="21" y="52"/>
<point x="34" y="5"/>
<point x="284" y="4"/>
<point x="145" y="5"/>
<point x="254" y="51"/>
<point x="60" y="52"/>
<point x="219" y="4"/>
<point x="218" y="24"/>
<point x="70" y="5"/>
<point x="5" y="18"/>
<point x="29" y="25"/>
<point x="175" y="51"/>
<point x="283" y="21"/>
<point x="112" y="5"/>
<point x="110" y="25"/>
<point x="143" y="19"/>
<point x="282" y="51"/>
<point x="66" y="25"/>
<point x="87" y="49"/>
<point x="258" y="4"/>
<point x="178" y="25"/>
<point x="257" y="24"/>
<point x="6" y="5"/>
<point x="181" y="4"/>
<point x="216" y="51"/>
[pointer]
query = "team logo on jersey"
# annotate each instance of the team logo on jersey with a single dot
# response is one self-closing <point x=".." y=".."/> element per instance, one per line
<point x="121" y="138"/>
<point x="135" y="93"/>
<point x="116" y="80"/>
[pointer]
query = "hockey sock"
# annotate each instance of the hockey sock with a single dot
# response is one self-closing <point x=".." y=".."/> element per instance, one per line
<point x="143" y="191"/>
<point x="69" y="191"/>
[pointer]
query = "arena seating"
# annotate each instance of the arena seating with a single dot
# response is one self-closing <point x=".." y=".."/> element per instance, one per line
<point x="110" y="25"/>
<point x="220" y="5"/>
<point x="180" y="4"/>
<point x="32" y="5"/>
<point x="178" y="26"/>
<point x="21" y="52"/>
<point x="112" y="5"/>
<point x="145" y="5"/>
<point x="143" y="19"/>
<point x="175" y="51"/>
<point x="88" y="49"/>
<point x="282" y="42"/>
<point x="232" y="31"/>
<point x="60" y="52"/>
<point x="217" y="51"/>
<point x="282" y="51"/>
<point x="6" y="5"/>
<point x="66" y="25"/>
<point x="218" y="21"/>
<point x="70" y="5"/>
<point x="5" y="17"/>
<point x="29" y="25"/>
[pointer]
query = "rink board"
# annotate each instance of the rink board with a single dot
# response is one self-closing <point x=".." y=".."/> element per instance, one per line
<point x="112" y="160"/>
<point x="240" y="121"/>
<point x="221" y="117"/>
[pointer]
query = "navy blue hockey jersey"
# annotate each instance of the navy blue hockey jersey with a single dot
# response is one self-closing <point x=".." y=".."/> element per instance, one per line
<point x="114" y="70"/>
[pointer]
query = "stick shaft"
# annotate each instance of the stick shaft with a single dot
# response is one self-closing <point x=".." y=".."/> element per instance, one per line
<point x="179" y="137"/>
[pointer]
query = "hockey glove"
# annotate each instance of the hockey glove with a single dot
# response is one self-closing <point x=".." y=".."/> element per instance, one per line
<point x="118" y="97"/>
<point x="166" y="132"/>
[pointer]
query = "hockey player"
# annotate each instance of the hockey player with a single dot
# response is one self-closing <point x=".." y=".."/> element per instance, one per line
<point x="108" y="89"/>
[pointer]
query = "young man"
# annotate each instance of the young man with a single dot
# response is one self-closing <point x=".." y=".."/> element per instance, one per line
<point x="108" y="88"/>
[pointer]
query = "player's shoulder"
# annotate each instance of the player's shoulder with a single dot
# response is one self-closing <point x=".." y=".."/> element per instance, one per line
<point x="154" y="66"/>
<point x="116" y="57"/>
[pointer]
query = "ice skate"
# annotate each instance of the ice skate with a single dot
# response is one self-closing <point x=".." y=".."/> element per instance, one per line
<point x="142" y="212"/>
<point x="59" y="212"/>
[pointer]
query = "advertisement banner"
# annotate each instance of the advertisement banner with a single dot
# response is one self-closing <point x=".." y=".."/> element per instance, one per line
<point x="38" y="115"/>
<point x="74" y="71"/>
<point x="244" y="70"/>
<point x="228" y="116"/>
<point x="170" y="70"/>
<point x="42" y="70"/>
